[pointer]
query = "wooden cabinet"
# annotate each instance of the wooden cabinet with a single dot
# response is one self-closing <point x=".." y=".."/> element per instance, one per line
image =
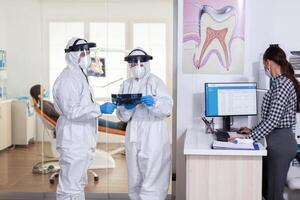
<point x="223" y="177"/>
<point x="5" y="124"/>
<point x="221" y="174"/>
<point x="23" y="123"/>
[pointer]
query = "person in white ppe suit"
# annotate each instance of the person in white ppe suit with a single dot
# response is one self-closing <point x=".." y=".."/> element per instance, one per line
<point x="148" y="150"/>
<point x="76" y="127"/>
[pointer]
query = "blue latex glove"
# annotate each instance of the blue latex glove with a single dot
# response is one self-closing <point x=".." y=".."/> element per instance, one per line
<point x="148" y="100"/>
<point x="130" y="106"/>
<point x="107" y="108"/>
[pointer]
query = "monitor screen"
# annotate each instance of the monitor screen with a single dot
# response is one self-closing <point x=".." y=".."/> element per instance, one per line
<point x="230" y="99"/>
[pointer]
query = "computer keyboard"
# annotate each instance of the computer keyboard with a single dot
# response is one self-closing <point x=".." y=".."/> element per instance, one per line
<point x="222" y="136"/>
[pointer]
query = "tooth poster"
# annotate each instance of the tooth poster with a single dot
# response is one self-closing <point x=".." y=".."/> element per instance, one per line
<point x="213" y="36"/>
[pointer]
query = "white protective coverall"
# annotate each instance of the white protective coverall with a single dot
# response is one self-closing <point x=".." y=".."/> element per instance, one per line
<point x="148" y="150"/>
<point x="76" y="127"/>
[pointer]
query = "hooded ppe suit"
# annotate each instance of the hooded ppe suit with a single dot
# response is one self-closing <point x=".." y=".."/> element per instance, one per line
<point x="148" y="151"/>
<point x="76" y="127"/>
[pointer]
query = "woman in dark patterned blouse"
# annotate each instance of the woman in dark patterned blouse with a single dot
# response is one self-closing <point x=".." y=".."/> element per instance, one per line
<point x="279" y="108"/>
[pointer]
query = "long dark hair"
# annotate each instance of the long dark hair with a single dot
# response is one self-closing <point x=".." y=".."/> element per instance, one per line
<point x="277" y="55"/>
<point x="35" y="91"/>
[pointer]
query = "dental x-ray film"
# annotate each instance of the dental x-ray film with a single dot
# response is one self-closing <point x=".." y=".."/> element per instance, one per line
<point x="126" y="99"/>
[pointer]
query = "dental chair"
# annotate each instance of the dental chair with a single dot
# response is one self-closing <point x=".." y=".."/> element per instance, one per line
<point x="102" y="159"/>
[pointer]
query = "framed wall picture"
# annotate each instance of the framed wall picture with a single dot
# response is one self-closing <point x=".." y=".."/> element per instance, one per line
<point x="213" y="36"/>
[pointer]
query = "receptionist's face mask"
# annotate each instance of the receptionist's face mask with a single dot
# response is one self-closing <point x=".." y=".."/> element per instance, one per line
<point x="267" y="71"/>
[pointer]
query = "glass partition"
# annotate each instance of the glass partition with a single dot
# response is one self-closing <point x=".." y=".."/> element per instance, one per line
<point x="32" y="57"/>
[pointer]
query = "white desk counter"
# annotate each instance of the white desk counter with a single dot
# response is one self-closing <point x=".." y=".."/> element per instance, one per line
<point x="199" y="143"/>
<point x="221" y="174"/>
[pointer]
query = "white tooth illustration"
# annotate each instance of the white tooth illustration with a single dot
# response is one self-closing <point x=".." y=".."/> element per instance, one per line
<point x="216" y="28"/>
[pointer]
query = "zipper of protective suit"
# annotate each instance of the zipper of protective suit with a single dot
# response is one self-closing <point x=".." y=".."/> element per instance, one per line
<point x="87" y="80"/>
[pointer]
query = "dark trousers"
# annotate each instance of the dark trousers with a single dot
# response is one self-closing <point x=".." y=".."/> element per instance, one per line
<point x="282" y="148"/>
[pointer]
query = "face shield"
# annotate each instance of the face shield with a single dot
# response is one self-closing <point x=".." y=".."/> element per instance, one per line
<point x="136" y="61"/>
<point x="89" y="60"/>
<point x="80" y="45"/>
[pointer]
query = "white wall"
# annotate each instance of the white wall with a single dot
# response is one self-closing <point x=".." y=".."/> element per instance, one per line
<point x="23" y="44"/>
<point x="2" y="30"/>
<point x="266" y="22"/>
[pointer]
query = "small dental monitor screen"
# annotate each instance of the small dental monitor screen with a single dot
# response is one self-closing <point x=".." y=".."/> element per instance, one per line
<point x="230" y="99"/>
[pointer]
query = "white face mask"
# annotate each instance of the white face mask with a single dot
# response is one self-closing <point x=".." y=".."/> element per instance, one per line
<point x="85" y="62"/>
<point x="138" y="72"/>
<point x="268" y="73"/>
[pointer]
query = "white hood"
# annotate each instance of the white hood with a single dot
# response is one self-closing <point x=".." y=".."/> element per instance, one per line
<point x="72" y="58"/>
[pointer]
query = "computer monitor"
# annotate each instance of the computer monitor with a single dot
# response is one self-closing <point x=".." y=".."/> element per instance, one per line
<point x="230" y="99"/>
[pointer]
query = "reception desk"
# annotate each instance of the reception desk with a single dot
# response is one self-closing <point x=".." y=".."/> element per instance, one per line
<point x="221" y="174"/>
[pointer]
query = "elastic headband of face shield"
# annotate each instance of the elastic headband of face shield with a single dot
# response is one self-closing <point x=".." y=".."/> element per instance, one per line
<point x="80" y="47"/>
<point x="137" y="58"/>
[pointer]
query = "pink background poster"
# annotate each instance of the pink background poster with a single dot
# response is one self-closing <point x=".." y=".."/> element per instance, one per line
<point x="213" y="36"/>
